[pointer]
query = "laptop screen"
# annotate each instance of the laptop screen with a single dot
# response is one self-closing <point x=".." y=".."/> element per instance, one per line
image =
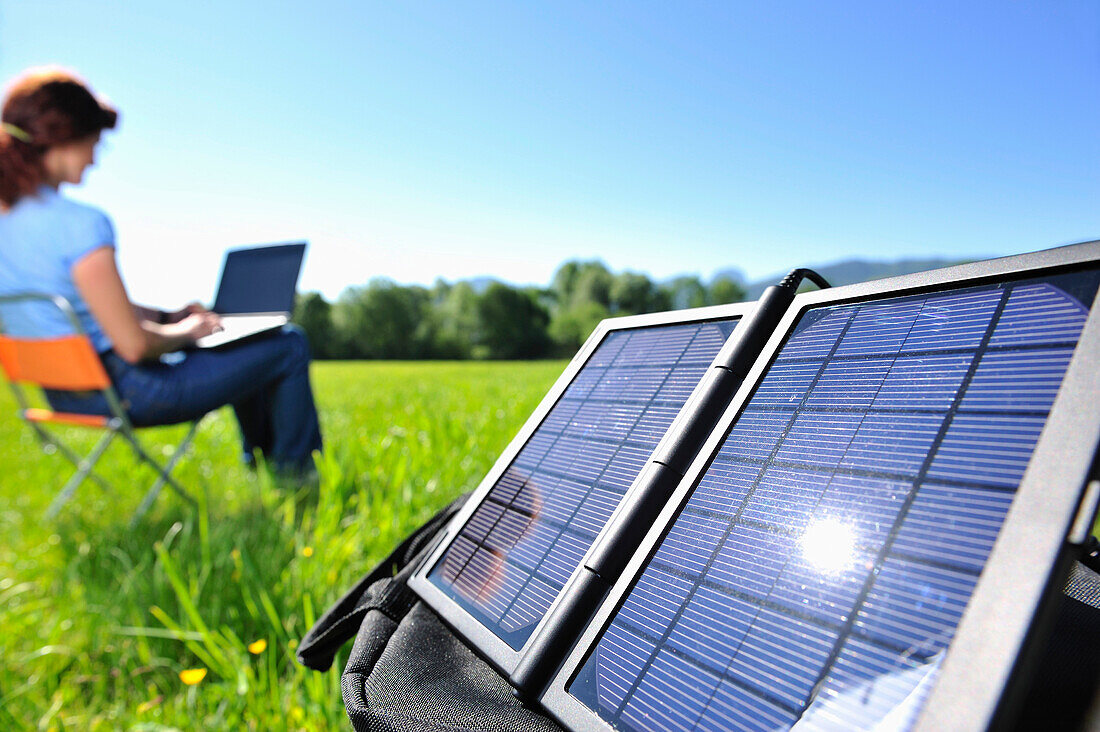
<point x="259" y="279"/>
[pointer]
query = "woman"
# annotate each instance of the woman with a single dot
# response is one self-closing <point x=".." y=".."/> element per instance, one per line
<point x="51" y="124"/>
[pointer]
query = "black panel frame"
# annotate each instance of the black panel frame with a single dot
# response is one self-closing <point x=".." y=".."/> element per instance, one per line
<point x="1007" y="617"/>
<point x="493" y="649"/>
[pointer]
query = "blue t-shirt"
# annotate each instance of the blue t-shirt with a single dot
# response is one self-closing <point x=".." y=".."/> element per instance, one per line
<point x="41" y="237"/>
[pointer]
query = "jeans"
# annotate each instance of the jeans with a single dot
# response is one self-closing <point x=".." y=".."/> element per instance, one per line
<point x="265" y="379"/>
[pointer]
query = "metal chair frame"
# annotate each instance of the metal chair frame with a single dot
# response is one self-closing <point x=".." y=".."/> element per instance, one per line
<point x="116" y="425"/>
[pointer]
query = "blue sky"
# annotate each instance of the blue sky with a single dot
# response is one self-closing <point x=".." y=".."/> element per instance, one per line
<point x="423" y="140"/>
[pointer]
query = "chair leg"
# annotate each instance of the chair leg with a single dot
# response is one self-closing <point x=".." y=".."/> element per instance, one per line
<point x="163" y="476"/>
<point x="83" y="468"/>
<point x="69" y="455"/>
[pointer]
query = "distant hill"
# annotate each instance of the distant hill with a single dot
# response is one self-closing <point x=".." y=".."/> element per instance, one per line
<point x="857" y="270"/>
<point x="481" y="284"/>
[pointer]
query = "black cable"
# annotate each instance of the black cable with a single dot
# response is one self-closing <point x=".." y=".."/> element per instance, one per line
<point x="795" y="277"/>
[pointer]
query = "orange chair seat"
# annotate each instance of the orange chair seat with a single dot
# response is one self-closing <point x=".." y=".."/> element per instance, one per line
<point x="46" y="415"/>
<point x="68" y="363"/>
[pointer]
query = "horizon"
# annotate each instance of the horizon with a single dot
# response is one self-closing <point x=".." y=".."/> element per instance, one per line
<point x="733" y="273"/>
<point x="424" y="141"/>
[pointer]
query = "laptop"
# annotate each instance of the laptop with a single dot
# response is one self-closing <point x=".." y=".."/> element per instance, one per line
<point x="256" y="291"/>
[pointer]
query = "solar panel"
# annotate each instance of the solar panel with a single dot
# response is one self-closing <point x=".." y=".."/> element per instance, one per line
<point x="819" y="567"/>
<point x="515" y="552"/>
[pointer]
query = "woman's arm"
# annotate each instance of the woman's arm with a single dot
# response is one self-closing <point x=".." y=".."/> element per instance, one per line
<point x="153" y="315"/>
<point x="150" y="314"/>
<point x="97" y="278"/>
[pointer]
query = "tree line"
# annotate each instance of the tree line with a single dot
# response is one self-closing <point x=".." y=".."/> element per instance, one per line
<point x="385" y="320"/>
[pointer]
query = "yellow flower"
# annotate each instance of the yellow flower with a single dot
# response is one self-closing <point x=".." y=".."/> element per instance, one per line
<point x="257" y="647"/>
<point x="307" y="551"/>
<point x="192" y="676"/>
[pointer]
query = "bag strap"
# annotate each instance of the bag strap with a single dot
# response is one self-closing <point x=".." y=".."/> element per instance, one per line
<point x="341" y="622"/>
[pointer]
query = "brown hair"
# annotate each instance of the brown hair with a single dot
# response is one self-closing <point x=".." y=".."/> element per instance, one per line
<point x="43" y="108"/>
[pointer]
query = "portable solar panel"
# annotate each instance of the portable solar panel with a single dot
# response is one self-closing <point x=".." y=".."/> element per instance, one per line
<point x="508" y="554"/>
<point x="870" y="536"/>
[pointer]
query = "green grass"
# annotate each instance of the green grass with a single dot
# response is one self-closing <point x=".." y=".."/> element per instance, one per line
<point x="97" y="619"/>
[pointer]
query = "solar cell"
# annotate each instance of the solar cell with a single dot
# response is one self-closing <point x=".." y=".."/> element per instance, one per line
<point x="520" y="546"/>
<point x="818" y="570"/>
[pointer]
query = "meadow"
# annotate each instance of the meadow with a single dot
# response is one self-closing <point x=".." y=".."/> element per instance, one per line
<point x="101" y="624"/>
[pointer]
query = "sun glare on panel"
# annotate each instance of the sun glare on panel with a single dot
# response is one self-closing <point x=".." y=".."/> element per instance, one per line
<point x="828" y="544"/>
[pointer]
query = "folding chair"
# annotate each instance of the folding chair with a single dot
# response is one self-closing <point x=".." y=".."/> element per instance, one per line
<point x="70" y="363"/>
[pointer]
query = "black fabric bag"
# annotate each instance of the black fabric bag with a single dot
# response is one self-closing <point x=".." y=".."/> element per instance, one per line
<point x="407" y="671"/>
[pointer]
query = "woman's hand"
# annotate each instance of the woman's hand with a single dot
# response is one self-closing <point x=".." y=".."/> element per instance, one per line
<point x="199" y="324"/>
<point x="188" y="309"/>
